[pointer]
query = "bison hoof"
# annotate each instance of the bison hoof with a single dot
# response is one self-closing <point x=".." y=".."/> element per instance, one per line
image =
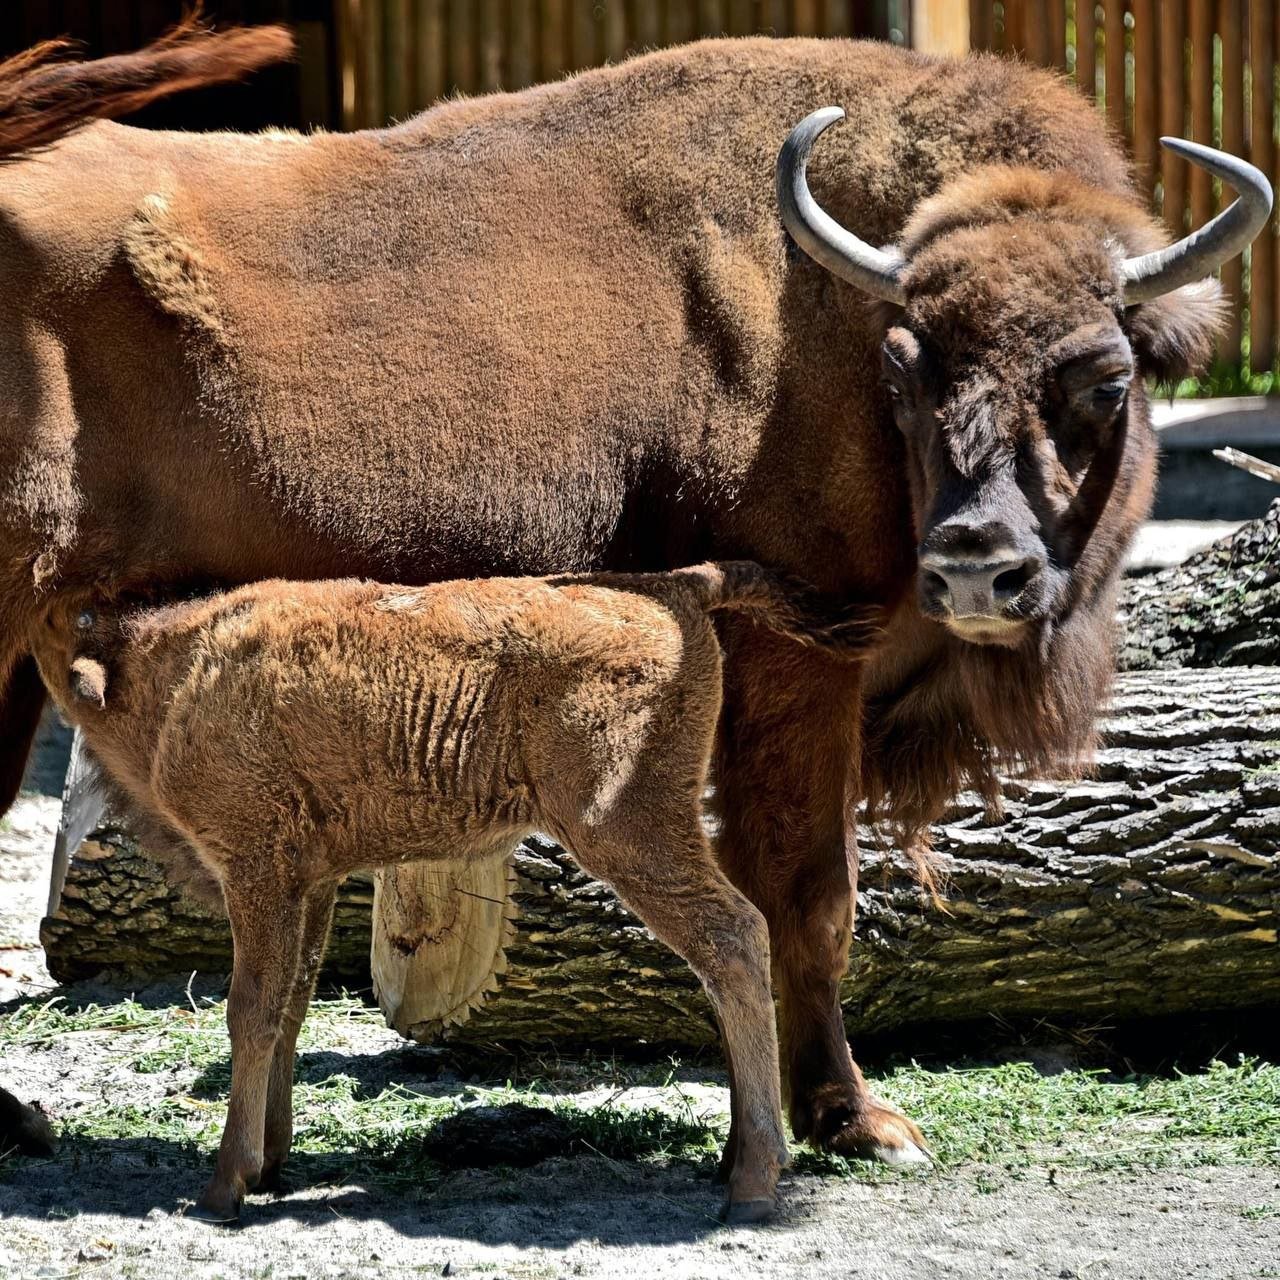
<point x="867" y="1129"/>
<point x="741" y="1213"/>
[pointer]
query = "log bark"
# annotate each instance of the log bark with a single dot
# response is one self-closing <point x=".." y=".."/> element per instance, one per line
<point x="1220" y="607"/>
<point x="1153" y="887"/>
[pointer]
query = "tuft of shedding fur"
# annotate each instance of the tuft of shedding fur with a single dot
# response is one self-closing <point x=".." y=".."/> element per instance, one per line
<point x="169" y="265"/>
<point x="44" y="97"/>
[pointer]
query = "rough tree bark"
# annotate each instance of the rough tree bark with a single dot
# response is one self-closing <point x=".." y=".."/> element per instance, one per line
<point x="1153" y="887"/>
<point x="1220" y="607"/>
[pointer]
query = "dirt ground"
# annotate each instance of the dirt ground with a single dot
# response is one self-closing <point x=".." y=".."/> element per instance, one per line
<point x="106" y="1207"/>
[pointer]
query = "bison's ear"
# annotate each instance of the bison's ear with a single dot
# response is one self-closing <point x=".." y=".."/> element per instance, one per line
<point x="1173" y="335"/>
<point x="89" y="681"/>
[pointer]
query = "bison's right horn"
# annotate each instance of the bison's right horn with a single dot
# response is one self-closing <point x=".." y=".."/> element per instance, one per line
<point x="877" y="271"/>
<point x="1207" y="248"/>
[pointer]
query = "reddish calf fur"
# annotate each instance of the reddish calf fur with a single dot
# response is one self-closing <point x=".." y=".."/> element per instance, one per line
<point x="288" y="733"/>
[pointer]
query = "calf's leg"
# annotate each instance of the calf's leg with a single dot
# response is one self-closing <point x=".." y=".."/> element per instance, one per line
<point x="266" y="932"/>
<point x="317" y="915"/>
<point x="673" y="884"/>
<point x="787" y="748"/>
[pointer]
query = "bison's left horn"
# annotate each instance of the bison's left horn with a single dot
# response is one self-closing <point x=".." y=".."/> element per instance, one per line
<point x="1206" y="249"/>
<point x="877" y="271"/>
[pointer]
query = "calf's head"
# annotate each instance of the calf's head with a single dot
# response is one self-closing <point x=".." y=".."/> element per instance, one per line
<point x="1025" y="308"/>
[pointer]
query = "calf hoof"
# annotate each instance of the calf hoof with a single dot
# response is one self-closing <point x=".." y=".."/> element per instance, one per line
<point x="216" y="1205"/>
<point x="273" y="1179"/>
<point x="741" y="1213"/>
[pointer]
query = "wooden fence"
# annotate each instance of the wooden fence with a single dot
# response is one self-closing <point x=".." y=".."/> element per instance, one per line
<point x="1199" y="69"/>
<point x="1202" y="69"/>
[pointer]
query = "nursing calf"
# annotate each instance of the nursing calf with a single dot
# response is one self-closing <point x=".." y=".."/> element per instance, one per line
<point x="285" y="734"/>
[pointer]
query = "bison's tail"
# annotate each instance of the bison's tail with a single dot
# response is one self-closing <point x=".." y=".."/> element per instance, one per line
<point x="44" y="97"/>
<point x="787" y="605"/>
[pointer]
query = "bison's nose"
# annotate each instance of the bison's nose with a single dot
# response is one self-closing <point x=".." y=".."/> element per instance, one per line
<point x="973" y="586"/>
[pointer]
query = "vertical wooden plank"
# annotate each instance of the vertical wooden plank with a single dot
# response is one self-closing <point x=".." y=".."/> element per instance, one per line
<point x="838" y="21"/>
<point x="646" y="19"/>
<point x="774" y="19"/>
<point x="490" y="37"/>
<point x="1058" y="34"/>
<point x="710" y="17"/>
<point x="348" y="63"/>
<point x="1037" y="35"/>
<point x="614" y="21"/>
<point x="462" y="63"/>
<point x="521" y="43"/>
<point x="1113" y="52"/>
<point x="1173" y="172"/>
<point x="1146" y="93"/>
<point x="1201" y="105"/>
<point x="553" y="40"/>
<point x="677" y="24"/>
<point x="372" y="109"/>
<point x="313" y="75"/>
<point x="805" y="17"/>
<point x="981" y="24"/>
<point x="583" y="46"/>
<point x="429" y="50"/>
<point x="1015" y="26"/>
<point x="1231" y="29"/>
<point x="1262" y="297"/>
<point x="398" y="56"/>
<point x="1087" y="48"/>
<point x="940" y="26"/>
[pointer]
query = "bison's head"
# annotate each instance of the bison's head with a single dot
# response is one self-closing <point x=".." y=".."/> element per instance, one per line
<point x="1025" y="309"/>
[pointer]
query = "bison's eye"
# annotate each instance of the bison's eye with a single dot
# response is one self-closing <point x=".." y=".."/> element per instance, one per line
<point x="1107" y="394"/>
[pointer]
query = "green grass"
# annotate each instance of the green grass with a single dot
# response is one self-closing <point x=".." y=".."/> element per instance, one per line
<point x="999" y="1120"/>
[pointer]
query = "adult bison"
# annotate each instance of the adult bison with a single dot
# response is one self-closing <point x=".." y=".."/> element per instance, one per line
<point x="566" y="329"/>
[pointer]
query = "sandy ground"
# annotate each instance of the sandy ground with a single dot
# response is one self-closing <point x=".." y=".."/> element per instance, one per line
<point x="108" y="1208"/>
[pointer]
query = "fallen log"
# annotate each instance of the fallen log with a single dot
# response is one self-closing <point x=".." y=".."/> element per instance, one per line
<point x="1153" y="887"/>
<point x="1219" y="607"/>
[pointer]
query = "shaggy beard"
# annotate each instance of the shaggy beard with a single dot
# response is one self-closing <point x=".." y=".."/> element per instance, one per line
<point x="970" y="713"/>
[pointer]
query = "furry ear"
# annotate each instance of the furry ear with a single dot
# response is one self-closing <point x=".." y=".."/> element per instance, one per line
<point x="1173" y="336"/>
<point x="89" y="681"/>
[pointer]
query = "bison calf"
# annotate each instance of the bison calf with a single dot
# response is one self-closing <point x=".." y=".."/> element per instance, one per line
<point x="285" y="734"/>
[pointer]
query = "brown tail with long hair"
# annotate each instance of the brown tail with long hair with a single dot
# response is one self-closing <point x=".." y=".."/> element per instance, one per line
<point x="787" y="605"/>
<point x="44" y="98"/>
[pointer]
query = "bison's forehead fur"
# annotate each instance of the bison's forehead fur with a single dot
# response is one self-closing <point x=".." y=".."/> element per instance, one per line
<point x="1007" y="262"/>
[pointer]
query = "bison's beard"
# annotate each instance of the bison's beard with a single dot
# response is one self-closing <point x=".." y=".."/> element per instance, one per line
<point x="967" y="714"/>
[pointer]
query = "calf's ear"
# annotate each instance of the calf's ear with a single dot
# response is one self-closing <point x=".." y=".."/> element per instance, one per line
<point x="89" y="681"/>
<point x="1173" y="335"/>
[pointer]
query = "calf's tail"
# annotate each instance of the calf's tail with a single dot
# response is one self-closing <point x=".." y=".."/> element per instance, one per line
<point x="787" y="605"/>
<point x="44" y="97"/>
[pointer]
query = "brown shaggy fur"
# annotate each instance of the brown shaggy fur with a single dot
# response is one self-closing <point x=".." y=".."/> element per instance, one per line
<point x="564" y="329"/>
<point x="292" y="732"/>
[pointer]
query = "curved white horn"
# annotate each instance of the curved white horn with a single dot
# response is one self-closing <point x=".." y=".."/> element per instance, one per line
<point x="877" y="271"/>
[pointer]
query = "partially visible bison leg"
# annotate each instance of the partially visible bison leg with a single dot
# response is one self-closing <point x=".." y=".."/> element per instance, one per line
<point x="787" y="744"/>
<point x="24" y="1129"/>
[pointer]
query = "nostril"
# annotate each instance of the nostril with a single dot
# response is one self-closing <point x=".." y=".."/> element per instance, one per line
<point x="933" y="584"/>
<point x="1011" y="582"/>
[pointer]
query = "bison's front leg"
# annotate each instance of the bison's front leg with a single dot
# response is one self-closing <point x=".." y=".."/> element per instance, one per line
<point x="787" y="751"/>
